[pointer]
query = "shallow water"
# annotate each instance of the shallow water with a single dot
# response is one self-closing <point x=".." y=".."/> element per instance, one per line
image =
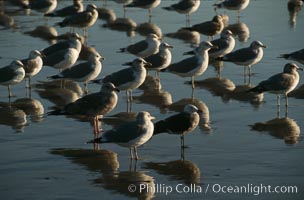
<point x="45" y="157"/>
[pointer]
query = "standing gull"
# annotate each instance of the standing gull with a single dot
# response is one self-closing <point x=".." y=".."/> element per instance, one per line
<point x="62" y="55"/>
<point x="296" y="56"/>
<point x="92" y="105"/>
<point x="233" y="5"/>
<point x="193" y="66"/>
<point x="83" y="19"/>
<point x="281" y="83"/>
<point x="225" y="45"/>
<point x="161" y="59"/>
<point x="32" y="66"/>
<point x="145" y="47"/>
<point x="82" y="72"/>
<point x="209" y="28"/>
<point x="246" y="56"/>
<point x="180" y="124"/>
<point x="129" y="78"/>
<point x="185" y="7"/>
<point x="145" y="4"/>
<point x="11" y="75"/>
<point x="77" y="7"/>
<point x="130" y="134"/>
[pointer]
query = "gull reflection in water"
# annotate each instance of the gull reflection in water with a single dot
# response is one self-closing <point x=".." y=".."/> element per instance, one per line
<point x="57" y="94"/>
<point x="227" y="90"/>
<point x="241" y="30"/>
<point x="103" y="161"/>
<point x="14" y="117"/>
<point x="106" y="163"/>
<point x="286" y="129"/>
<point x="153" y="94"/>
<point x="32" y="107"/>
<point x="181" y="170"/>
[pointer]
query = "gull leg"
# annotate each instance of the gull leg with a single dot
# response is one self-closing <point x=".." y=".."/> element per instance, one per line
<point x="136" y="154"/>
<point x="131" y="154"/>
<point x="182" y="141"/>
<point x="286" y="105"/>
<point x="10" y="94"/>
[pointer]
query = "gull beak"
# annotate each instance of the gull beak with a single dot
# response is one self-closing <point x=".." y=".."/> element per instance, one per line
<point x="147" y="64"/>
<point x="301" y="69"/>
<point x="152" y="118"/>
<point x="102" y="58"/>
<point x="117" y="90"/>
<point x="214" y="47"/>
<point x="189" y="53"/>
<point x="97" y="140"/>
<point x="42" y="55"/>
<point x="264" y="46"/>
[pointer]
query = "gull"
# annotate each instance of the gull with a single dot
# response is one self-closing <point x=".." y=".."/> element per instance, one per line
<point x="83" y="19"/>
<point x="185" y="7"/>
<point x="193" y="66"/>
<point x="161" y="59"/>
<point x="180" y="124"/>
<point x="143" y="48"/>
<point x="146" y="4"/>
<point x="225" y="45"/>
<point x="233" y="5"/>
<point x="209" y="28"/>
<point x="11" y="75"/>
<point x="92" y="105"/>
<point x="77" y="7"/>
<point x="32" y="66"/>
<point x="246" y="56"/>
<point x="82" y="72"/>
<point x="62" y="55"/>
<point x="129" y="78"/>
<point x="130" y="134"/>
<point x="281" y="83"/>
<point x="296" y="56"/>
<point x="43" y="6"/>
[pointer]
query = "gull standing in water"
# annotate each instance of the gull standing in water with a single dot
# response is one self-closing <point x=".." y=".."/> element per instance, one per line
<point x="296" y="56"/>
<point x="185" y="7"/>
<point x="281" y="83"/>
<point x="83" y="19"/>
<point x="161" y="59"/>
<point x="32" y="66"/>
<point x="225" y="44"/>
<point x="180" y="124"/>
<point x="128" y="79"/>
<point x="92" y="105"/>
<point x="246" y="56"/>
<point x="233" y="5"/>
<point x="209" y="28"/>
<point x="143" y="48"/>
<point x="77" y="7"/>
<point x="82" y="72"/>
<point x="193" y="66"/>
<point x="145" y="4"/>
<point x="11" y="75"/>
<point x="130" y="134"/>
<point x="62" y="55"/>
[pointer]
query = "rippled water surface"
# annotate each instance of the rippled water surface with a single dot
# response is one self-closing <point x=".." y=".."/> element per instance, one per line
<point x="240" y="140"/>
